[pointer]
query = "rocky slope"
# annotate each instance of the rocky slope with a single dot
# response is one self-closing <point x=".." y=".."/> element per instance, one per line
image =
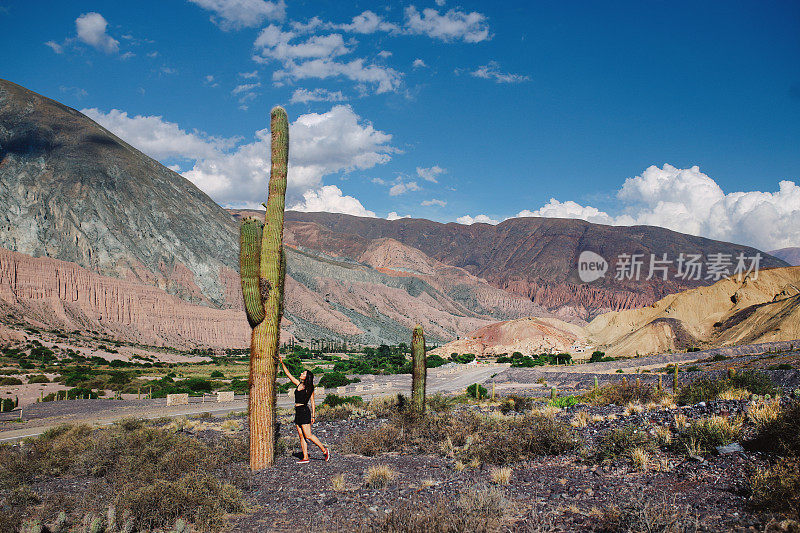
<point x="73" y="191"/>
<point x="532" y="257"/>
<point x="790" y="255"/>
<point x="753" y="309"/>
<point x="525" y="335"/>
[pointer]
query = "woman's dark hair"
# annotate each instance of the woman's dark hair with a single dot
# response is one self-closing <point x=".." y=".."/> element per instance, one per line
<point x="308" y="383"/>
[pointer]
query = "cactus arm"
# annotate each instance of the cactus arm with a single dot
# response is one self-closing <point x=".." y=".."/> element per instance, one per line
<point x="249" y="263"/>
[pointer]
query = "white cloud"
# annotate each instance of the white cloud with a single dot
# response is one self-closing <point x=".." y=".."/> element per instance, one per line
<point x="91" y="29"/>
<point x="235" y="14"/>
<point x="468" y="220"/>
<point x="55" y="47"/>
<point x="247" y="87"/>
<point x="210" y="81"/>
<point x="569" y="209"/>
<point x="153" y="54"/>
<point x="236" y="174"/>
<point x="379" y="181"/>
<point x="329" y="198"/>
<point x="491" y="71"/>
<point x="249" y="75"/>
<point x="367" y="22"/>
<point x="430" y="174"/>
<point x="453" y="25"/>
<point x="385" y="54"/>
<point x="158" y="138"/>
<point x="385" y="79"/>
<point x="689" y="201"/>
<point x="394" y="216"/>
<point x="317" y="95"/>
<point x="418" y="63"/>
<point x="440" y="203"/>
<point x="440" y="3"/>
<point x="274" y="43"/>
<point x="402" y="187"/>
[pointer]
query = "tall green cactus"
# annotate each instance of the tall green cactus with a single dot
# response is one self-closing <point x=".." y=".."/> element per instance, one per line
<point x="263" y="269"/>
<point x="419" y="369"/>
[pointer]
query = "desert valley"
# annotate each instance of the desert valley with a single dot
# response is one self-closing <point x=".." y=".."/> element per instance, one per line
<point x="536" y="373"/>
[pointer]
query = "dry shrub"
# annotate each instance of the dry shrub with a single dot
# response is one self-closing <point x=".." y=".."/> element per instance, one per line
<point x="153" y="472"/>
<point x="487" y="439"/>
<point x="640" y="458"/>
<point x="777" y="489"/>
<point x="780" y="435"/>
<point x="624" y="393"/>
<point x="649" y="515"/>
<point x="703" y="435"/>
<point x="621" y="443"/>
<point x="734" y="394"/>
<point x="516" y="403"/>
<point x="479" y="510"/>
<point x="633" y="408"/>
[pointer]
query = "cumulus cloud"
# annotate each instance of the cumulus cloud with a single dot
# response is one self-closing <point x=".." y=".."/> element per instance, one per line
<point x="315" y="58"/>
<point x="402" y="187"/>
<point x="440" y="203"/>
<point x="431" y="173"/>
<point x="329" y="198"/>
<point x="159" y="138"/>
<point x="483" y="219"/>
<point x="367" y="22"/>
<point x="91" y="28"/>
<point x="418" y="63"/>
<point x="491" y="71"/>
<point x="689" y="201"/>
<point x="317" y="95"/>
<point x="234" y="174"/>
<point x="235" y="14"/>
<point x="394" y="216"/>
<point x="452" y="25"/>
<point x="383" y="78"/>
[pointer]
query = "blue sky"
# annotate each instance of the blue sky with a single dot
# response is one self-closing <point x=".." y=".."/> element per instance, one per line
<point x="679" y="114"/>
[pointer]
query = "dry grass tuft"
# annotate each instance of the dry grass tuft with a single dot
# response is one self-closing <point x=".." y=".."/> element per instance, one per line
<point x="763" y="413"/>
<point x="501" y="476"/>
<point x="580" y="420"/>
<point x="663" y="435"/>
<point x="378" y="476"/>
<point x="640" y="458"/>
<point x="633" y="408"/>
<point x="734" y="394"/>
<point x="337" y="483"/>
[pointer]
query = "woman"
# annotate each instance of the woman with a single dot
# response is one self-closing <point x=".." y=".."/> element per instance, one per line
<point x="303" y="416"/>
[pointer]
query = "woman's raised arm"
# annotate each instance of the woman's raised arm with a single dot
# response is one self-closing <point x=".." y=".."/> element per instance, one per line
<point x="288" y="374"/>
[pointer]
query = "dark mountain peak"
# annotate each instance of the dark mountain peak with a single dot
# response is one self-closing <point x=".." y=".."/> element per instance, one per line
<point x="74" y="191"/>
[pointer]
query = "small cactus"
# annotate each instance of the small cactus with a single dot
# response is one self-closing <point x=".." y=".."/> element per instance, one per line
<point x="660" y="384"/>
<point x="731" y="373"/>
<point x="61" y="524"/>
<point x="596" y="385"/>
<point x="97" y="525"/>
<point x="111" y="518"/>
<point x="624" y="380"/>
<point x="638" y="382"/>
<point x="553" y="393"/>
<point x="418" y="369"/>
<point x="181" y="526"/>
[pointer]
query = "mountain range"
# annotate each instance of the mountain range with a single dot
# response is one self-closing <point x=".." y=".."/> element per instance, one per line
<point x="106" y="213"/>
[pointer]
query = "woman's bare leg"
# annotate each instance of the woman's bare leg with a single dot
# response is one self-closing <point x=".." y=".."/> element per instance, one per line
<point x="303" y="444"/>
<point x="312" y="438"/>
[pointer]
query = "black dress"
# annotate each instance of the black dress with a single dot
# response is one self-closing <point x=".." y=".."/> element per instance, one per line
<point x="302" y="413"/>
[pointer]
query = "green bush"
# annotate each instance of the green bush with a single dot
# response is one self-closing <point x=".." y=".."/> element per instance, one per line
<point x="9" y="381"/>
<point x="216" y="374"/>
<point x="331" y="380"/>
<point x="334" y="400"/>
<point x="705" y="434"/>
<point x="705" y="388"/>
<point x="39" y="378"/>
<point x="516" y="403"/>
<point x="477" y="391"/>
<point x="564" y="401"/>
